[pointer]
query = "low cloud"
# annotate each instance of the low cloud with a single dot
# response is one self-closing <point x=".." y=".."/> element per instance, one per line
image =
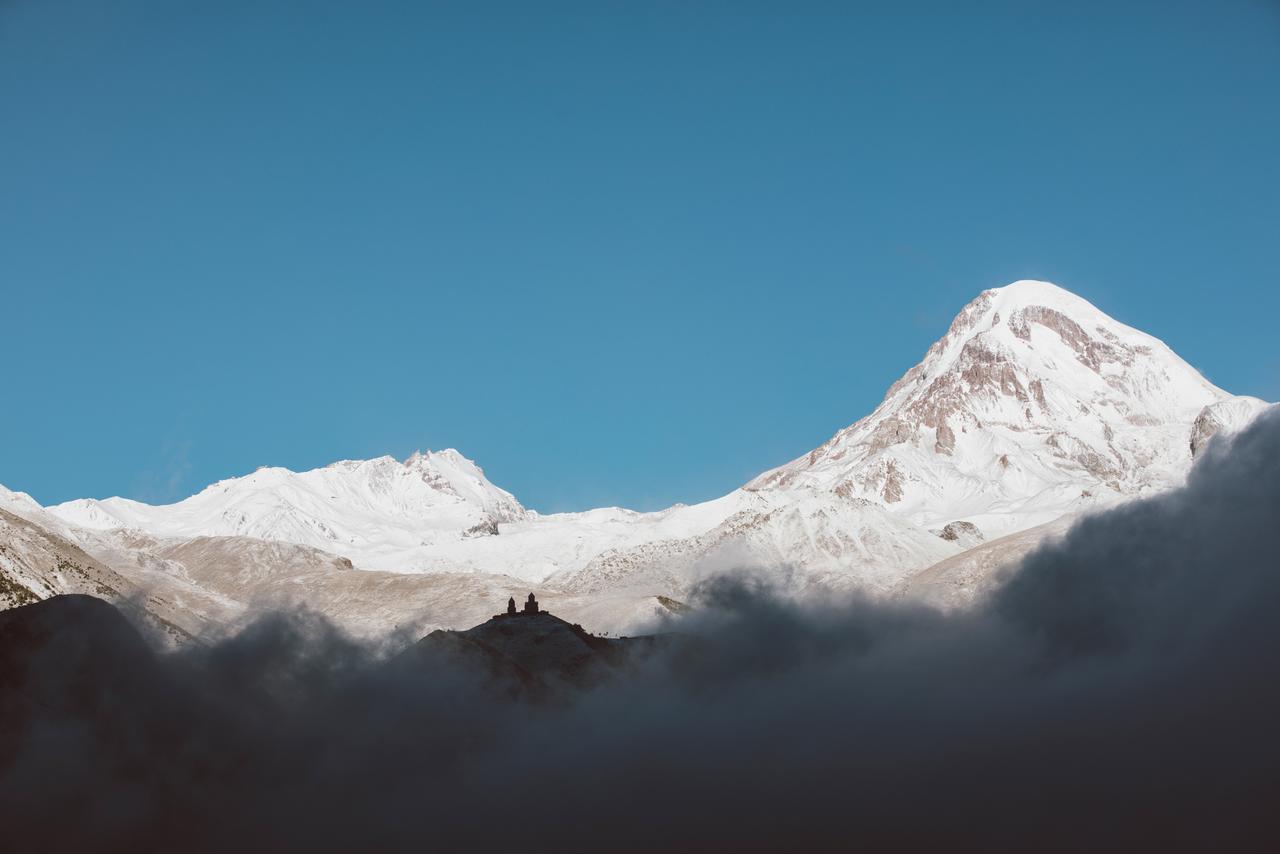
<point x="1119" y="692"/>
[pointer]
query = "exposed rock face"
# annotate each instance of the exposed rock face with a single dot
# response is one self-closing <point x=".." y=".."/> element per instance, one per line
<point x="946" y="439"/>
<point x="964" y="533"/>
<point x="487" y="528"/>
<point x="892" y="491"/>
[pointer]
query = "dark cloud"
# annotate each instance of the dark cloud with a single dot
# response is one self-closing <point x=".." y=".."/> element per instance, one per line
<point x="1119" y="692"/>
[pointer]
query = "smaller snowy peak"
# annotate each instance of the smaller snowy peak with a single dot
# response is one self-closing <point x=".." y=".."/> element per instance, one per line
<point x="452" y="473"/>
<point x="93" y="514"/>
<point x="342" y="507"/>
<point x="1031" y="292"/>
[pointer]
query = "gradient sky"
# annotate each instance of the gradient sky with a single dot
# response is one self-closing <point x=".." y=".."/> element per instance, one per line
<point x="618" y="253"/>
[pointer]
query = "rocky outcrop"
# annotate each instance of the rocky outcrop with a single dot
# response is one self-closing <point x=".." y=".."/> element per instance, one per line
<point x="1224" y="417"/>
<point x="963" y="533"/>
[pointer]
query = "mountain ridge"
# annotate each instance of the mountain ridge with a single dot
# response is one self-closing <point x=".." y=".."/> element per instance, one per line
<point x="1034" y="406"/>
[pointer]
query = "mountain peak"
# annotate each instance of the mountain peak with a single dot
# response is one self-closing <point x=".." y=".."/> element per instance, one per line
<point x="350" y="507"/>
<point x="1034" y="291"/>
<point x="1026" y="320"/>
<point x="447" y="456"/>
<point x="1034" y="403"/>
<point x="1019" y="304"/>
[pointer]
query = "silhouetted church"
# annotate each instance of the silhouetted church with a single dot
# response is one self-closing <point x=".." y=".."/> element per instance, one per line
<point x="530" y="607"/>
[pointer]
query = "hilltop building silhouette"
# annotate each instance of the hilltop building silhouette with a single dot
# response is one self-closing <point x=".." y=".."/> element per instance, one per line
<point x="530" y="608"/>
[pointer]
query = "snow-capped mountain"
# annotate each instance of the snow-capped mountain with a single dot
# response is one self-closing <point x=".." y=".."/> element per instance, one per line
<point x="1035" y="406"/>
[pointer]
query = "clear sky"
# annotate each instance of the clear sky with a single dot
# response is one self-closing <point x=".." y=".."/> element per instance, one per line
<point x="617" y="253"/>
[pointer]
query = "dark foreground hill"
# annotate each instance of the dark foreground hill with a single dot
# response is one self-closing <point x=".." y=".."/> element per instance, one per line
<point x="531" y="654"/>
<point x="78" y="655"/>
<point x="202" y="748"/>
<point x="70" y="656"/>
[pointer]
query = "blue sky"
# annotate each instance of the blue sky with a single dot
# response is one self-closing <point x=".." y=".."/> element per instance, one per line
<point x="618" y="253"/>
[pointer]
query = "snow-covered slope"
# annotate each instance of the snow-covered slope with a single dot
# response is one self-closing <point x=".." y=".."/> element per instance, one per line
<point x="36" y="563"/>
<point x="805" y="541"/>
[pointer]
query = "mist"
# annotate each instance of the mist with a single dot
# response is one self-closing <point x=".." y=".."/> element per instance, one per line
<point x="1117" y="691"/>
